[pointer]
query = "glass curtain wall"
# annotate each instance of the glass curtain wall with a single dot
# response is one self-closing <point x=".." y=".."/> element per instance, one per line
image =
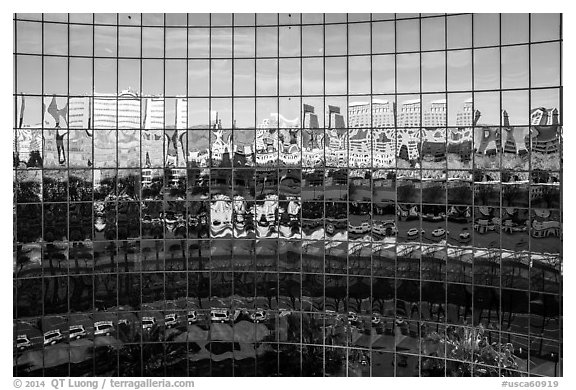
<point x="287" y="195"/>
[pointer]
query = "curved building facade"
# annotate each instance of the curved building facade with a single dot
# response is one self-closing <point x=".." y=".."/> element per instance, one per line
<point x="287" y="195"/>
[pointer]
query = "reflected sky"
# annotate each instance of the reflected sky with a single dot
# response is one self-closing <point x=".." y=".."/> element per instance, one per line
<point x="390" y="74"/>
<point x="354" y="187"/>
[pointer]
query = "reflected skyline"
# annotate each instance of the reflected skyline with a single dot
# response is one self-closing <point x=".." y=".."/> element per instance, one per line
<point x="287" y="195"/>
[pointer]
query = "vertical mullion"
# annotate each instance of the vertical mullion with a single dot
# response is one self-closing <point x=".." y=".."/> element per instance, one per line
<point x="500" y="157"/>
<point x="421" y="141"/>
<point x="167" y="170"/>
<point x="347" y="138"/>
<point x="67" y="152"/>
<point x="447" y="167"/>
<point x="186" y="155"/>
<point x="276" y="170"/>
<point x="91" y="124"/>
<point x="397" y="151"/>
<point x="561" y="152"/>
<point x="16" y="124"/>
<point x="372" y="172"/>
<point x="232" y="154"/>
<point x="142" y="124"/>
<point x="529" y="180"/>
<point x="118" y="170"/>
<point x="301" y="202"/>
<point x="42" y="181"/>
<point x="210" y="167"/>
<point x="325" y="170"/>
<point x="254" y="156"/>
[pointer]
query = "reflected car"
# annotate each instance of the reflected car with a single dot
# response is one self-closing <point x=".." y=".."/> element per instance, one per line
<point x="434" y="218"/>
<point x="52" y="337"/>
<point x="219" y="315"/>
<point x="440" y="232"/>
<point x="171" y="320"/>
<point x="360" y="229"/>
<point x="148" y="322"/>
<point x="413" y="233"/>
<point x="103" y="328"/>
<point x="22" y="342"/>
<point x="464" y="234"/>
<point x="192" y="317"/>
<point x="352" y="317"/>
<point x="258" y="316"/>
<point x="330" y="229"/>
<point x="77" y="332"/>
<point x="386" y="228"/>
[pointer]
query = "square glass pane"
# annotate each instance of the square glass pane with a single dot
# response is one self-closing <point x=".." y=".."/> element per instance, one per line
<point x="176" y="44"/>
<point x="515" y="65"/>
<point x="312" y="18"/>
<point x="433" y="32"/>
<point x="487" y="68"/>
<point x="486" y="29"/>
<point x="433" y="72"/>
<point x="244" y="77"/>
<point x="176" y="19"/>
<point x="289" y="77"/>
<point x="545" y="27"/>
<point x="335" y="75"/>
<point x="198" y="43"/>
<point x="198" y="77"/>
<point x="488" y="106"/>
<point x="335" y="18"/>
<point x="221" y="42"/>
<point x="545" y="65"/>
<point x="266" y="41"/>
<point x="383" y="37"/>
<point x="221" y="19"/>
<point x="129" y="41"/>
<point x="515" y="28"/>
<point x="132" y="19"/>
<point x="152" y="77"/>
<point x="408" y="35"/>
<point x="198" y="19"/>
<point x="312" y="76"/>
<point x="105" y="76"/>
<point x="459" y="70"/>
<point x="128" y="75"/>
<point x="408" y="72"/>
<point x="359" y="75"/>
<point x="289" y="41"/>
<point x="244" y="19"/>
<point x="459" y="30"/>
<point x="244" y="114"/>
<point x="515" y="109"/>
<point x="151" y="19"/>
<point x="28" y="37"/>
<point x="266" y="77"/>
<point x="105" y="41"/>
<point x="56" y="39"/>
<point x="81" y="40"/>
<point x="175" y="78"/>
<point x="383" y="74"/>
<point x="55" y="75"/>
<point x="244" y="42"/>
<point x="335" y="42"/>
<point x="312" y="40"/>
<point x="152" y="42"/>
<point x="358" y="34"/>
